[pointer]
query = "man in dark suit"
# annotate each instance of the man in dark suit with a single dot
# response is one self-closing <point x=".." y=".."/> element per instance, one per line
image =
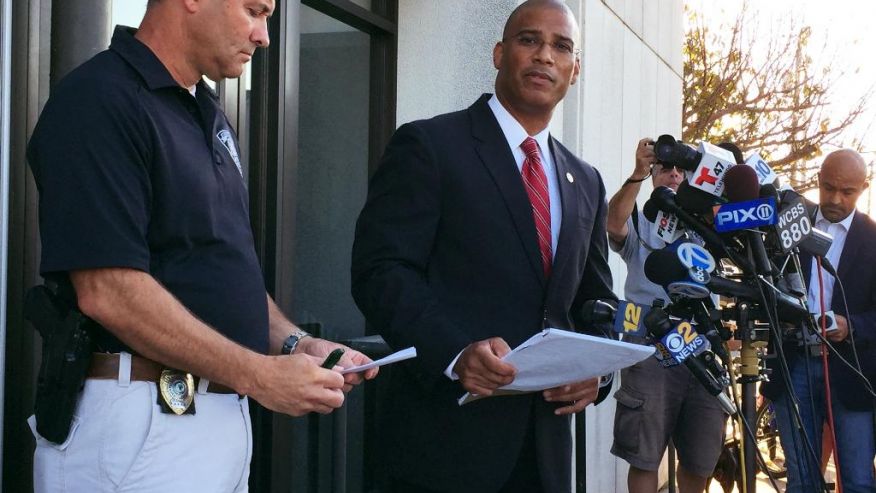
<point x="841" y="180"/>
<point x="480" y="230"/>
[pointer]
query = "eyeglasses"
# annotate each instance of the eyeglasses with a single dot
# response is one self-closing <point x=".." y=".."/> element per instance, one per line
<point x="531" y="42"/>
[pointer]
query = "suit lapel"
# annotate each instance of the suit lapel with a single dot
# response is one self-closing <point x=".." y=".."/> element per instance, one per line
<point x="496" y="156"/>
<point x="854" y="240"/>
<point x="569" y="200"/>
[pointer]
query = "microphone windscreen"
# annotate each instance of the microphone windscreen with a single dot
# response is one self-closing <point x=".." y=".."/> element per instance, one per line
<point x="650" y="210"/>
<point x="693" y="199"/>
<point x="768" y="190"/>
<point x="598" y="311"/>
<point x="663" y="267"/>
<point x="741" y="184"/>
<point x="663" y="196"/>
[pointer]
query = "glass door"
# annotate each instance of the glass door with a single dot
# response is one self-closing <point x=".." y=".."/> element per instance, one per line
<point x="322" y="105"/>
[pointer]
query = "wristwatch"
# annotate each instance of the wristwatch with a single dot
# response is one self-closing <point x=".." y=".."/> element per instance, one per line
<point x="292" y="341"/>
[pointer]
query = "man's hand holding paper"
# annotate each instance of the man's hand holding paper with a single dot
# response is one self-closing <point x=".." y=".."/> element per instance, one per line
<point x="480" y="367"/>
<point x="560" y="363"/>
<point x="577" y="394"/>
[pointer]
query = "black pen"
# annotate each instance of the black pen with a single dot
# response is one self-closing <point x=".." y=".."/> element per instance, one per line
<point x="332" y="359"/>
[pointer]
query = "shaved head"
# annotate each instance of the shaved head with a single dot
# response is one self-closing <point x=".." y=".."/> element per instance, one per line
<point x="841" y="181"/>
<point x="848" y="161"/>
<point x="530" y="4"/>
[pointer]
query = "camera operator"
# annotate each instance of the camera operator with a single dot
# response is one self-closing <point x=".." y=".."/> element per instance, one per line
<point x="655" y="403"/>
<point x="841" y="181"/>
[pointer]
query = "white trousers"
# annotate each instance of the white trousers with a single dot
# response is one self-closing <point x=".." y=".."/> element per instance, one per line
<point x="120" y="441"/>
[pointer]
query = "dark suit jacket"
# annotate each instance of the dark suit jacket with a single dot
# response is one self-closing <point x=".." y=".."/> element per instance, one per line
<point x="857" y="271"/>
<point x="446" y="254"/>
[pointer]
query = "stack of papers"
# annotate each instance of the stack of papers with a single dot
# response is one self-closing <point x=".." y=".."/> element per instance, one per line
<point x="557" y="357"/>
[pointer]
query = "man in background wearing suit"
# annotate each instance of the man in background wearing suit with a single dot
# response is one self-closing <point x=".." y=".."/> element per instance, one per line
<point x="481" y="229"/>
<point x="841" y="180"/>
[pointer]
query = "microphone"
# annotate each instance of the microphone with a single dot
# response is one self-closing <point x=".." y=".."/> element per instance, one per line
<point x="750" y="214"/>
<point x="626" y="317"/>
<point x="650" y="211"/>
<point x="595" y="312"/>
<point x="826" y="265"/>
<point x="816" y="243"/>
<point x="740" y="184"/>
<point x="711" y="328"/>
<point x="680" y="343"/>
<point x="794" y="226"/>
<point x="629" y="318"/>
<point x="707" y="164"/>
<point x="664" y="199"/>
<point x="699" y="263"/>
<point x="770" y="190"/>
<point x="829" y="319"/>
<point x="663" y="267"/>
<point x="765" y="174"/>
<point x="667" y="225"/>
<point x="695" y="200"/>
<point x="745" y="210"/>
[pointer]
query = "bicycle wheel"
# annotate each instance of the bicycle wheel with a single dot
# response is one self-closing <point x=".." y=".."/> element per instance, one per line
<point x="768" y="441"/>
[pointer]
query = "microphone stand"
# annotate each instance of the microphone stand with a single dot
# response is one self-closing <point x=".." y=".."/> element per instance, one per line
<point x="749" y="376"/>
<point x="749" y="361"/>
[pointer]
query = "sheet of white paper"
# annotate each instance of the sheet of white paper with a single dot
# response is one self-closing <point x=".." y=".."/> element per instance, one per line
<point x="556" y="357"/>
<point x="395" y="357"/>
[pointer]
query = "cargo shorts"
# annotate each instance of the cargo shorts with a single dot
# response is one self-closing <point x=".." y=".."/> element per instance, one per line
<point x="655" y="404"/>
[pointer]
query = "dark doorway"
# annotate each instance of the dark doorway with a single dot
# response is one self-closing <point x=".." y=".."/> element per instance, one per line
<point x="322" y="106"/>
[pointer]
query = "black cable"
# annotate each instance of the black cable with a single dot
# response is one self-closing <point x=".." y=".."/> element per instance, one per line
<point x="867" y="384"/>
<point x="737" y="401"/>
<point x="772" y="316"/>
<point x="860" y="371"/>
<point x="812" y="468"/>
<point x="773" y="321"/>
<point x="856" y="368"/>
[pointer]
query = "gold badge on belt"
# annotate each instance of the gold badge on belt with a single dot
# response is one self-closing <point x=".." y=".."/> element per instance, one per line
<point x="176" y="392"/>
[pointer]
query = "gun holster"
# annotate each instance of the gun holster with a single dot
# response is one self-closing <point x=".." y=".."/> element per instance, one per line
<point x="66" y="355"/>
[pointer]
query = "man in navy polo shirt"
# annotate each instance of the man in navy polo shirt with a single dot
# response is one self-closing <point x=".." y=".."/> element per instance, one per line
<point x="143" y="208"/>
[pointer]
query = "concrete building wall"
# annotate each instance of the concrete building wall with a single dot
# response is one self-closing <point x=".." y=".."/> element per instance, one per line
<point x="630" y="88"/>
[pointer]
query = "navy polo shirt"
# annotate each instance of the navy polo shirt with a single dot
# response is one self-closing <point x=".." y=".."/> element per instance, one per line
<point x="133" y="171"/>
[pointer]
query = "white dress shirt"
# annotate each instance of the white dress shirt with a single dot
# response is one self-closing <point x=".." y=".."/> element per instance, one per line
<point x="839" y="231"/>
<point x="515" y="134"/>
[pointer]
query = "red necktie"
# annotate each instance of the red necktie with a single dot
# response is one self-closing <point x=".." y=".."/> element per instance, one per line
<point x="536" y="187"/>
